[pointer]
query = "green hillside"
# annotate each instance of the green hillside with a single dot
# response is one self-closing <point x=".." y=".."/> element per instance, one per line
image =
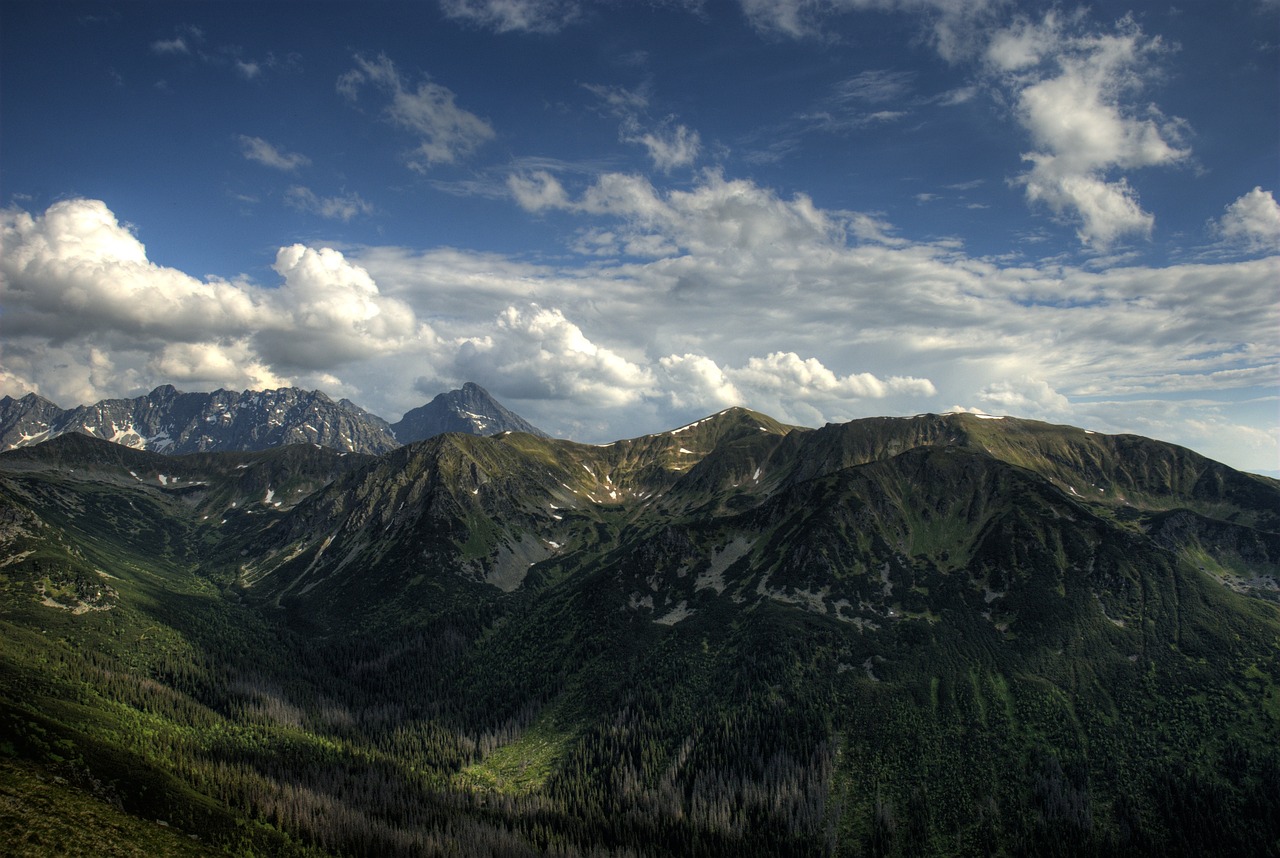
<point x="933" y="635"/>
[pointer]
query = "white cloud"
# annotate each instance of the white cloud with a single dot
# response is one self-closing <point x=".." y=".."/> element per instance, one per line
<point x="76" y="270"/>
<point x="669" y="145"/>
<point x="1252" y="221"/>
<point x="259" y="150"/>
<point x="342" y="208"/>
<point x="184" y="41"/>
<point x="954" y="24"/>
<point x="447" y="132"/>
<point x="536" y="353"/>
<point x="781" y="383"/>
<point x="1024" y="397"/>
<point x="729" y="294"/>
<point x="875" y="86"/>
<point x="331" y="312"/>
<point x="534" y="16"/>
<point x="619" y="101"/>
<point x="176" y="45"/>
<point x="1071" y="91"/>
<point x="231" y="364"/>
<point x="538" y="191"/>
<point x="696" y="381"/>
<point x="716" y="216"/>
<point x="76" y="275"/>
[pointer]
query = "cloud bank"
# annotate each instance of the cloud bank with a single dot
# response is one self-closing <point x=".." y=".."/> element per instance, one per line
<point x="690" y="300"/>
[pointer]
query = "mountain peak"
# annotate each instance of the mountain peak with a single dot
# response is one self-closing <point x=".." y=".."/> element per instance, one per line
<point x="169" y="421"/>
<point x="470" y="410"/>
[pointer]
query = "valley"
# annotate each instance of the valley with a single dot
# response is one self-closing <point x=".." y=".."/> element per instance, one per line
<point x="897" y="636"/>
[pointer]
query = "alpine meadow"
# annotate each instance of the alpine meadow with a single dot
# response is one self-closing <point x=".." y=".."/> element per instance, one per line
<point x="808" y="428"/>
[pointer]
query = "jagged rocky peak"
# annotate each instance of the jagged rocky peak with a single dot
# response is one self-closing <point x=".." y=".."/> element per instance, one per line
<point x="169" y="421"/>
<point x="470" y="409"/>
<point x="25" y="421"/>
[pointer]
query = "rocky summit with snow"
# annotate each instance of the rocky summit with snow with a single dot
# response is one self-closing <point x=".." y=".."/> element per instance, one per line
<point x="169" y="421"/>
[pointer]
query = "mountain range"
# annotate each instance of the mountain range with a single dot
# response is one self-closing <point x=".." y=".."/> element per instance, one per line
<point x="172" y="422"/>
<point x="944" y="634"/>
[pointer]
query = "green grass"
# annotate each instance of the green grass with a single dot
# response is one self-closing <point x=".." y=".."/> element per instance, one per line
<point x="519" y="767"/>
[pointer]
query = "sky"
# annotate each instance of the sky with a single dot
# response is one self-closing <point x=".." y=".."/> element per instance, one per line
<point x="619" y="216"/>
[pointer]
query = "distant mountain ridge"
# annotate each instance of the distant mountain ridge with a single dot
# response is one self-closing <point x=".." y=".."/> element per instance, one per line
<point x="470" y="410"/>
<point x="172" y="422"/>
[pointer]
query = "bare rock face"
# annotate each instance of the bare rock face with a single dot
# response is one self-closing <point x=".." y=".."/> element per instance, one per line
<point x="470" y="410"/>
<point x="169" y="421"/>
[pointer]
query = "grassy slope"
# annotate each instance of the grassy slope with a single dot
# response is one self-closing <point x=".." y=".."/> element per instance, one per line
<point x="562" y="714"/>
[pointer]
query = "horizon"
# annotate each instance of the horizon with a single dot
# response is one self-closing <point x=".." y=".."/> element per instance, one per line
<point x="1274" y="474"/>
<point x="620" y="217"/>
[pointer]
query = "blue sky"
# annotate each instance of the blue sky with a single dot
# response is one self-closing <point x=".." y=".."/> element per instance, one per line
<point x="619" y="216"/>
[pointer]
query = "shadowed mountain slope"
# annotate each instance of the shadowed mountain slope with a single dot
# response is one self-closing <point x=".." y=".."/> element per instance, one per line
<point x="932" y="635"/>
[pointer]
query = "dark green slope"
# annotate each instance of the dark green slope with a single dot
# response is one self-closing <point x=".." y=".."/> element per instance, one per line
<point x="930" y="635"/>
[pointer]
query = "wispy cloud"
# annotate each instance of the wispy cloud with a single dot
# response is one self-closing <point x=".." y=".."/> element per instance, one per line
<point x="533" y="16"/>
<point x="447" y="133"/>
<point x="874" y="86"/>
<point x="260" y="151"/>
<point x="176" y="45"/>
<point x="342" y="208"/>
<point x="669" y="143"/>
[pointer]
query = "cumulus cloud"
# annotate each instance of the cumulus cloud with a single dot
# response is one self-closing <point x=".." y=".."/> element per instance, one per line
<point x="76" y="279"/>
<point x="696" y="381"/>
<point x="1076" y="92"/>
<point x="330" y="312"/>
<point x="342" y="208"/>
<point x="1024" y="397"/>
<point x="781" y="380"/>
<point x="76" y="269"/>
<point x="447" y="132"/>
<point x="1072" y="92"/>
<point x="259" y="150"/>
<point x="233" y="364"/>
<point x="809" y="379"/>
<point x="1252" y="221"/>
<point x="537" y="353"/>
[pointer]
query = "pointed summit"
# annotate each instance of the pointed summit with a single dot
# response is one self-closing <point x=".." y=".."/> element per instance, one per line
<point x="470" y="410"/>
